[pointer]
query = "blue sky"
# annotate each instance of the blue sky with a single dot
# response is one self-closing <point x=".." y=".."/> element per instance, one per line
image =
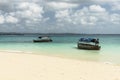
<point x="60" y="16"/>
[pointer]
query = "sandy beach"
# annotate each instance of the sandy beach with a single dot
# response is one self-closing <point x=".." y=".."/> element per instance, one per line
<point x="17" y="66"/>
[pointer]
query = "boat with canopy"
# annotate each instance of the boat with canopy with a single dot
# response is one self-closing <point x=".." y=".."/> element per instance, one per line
<point x="88" y="43"/>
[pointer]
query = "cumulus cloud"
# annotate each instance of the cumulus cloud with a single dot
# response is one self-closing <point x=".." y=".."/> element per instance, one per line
<point x="7" y="18"/>
<point x="61" y="5"/>
<point x="92" y="15"/>
<point x="2" y="19"/>
<point x="85" y="1"/>
<point x="14" y="1"/>
<point x="97" y="8"/>
<point x="63" y="15"/>
<point x="115" y="18"/>
<point x="30" y="11"/>
<point x="11" y="19"/>
<point x="54" y="15"/>
<point x="105" y="0"/>
<point x="24" y="11"/>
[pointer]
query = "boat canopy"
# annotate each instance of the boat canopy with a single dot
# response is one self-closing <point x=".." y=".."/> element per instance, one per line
<point x="88" y="40"/>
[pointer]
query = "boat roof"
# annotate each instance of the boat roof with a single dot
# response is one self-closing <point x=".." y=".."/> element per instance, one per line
<point x="88" y="39"/>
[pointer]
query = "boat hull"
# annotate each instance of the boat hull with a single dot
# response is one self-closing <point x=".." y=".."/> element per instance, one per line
<point x="42" y="40"/>
<point x="88" y="46"/>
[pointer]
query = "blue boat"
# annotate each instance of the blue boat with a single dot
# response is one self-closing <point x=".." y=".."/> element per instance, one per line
<point x="88" y="44"/>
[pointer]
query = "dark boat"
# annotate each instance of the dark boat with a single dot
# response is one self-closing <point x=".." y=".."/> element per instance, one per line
<point x="88" y="44"/>
<point x="43" y="39"/>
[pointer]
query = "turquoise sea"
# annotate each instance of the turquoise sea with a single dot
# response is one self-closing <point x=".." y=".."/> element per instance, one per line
<point x="64" y="46"/>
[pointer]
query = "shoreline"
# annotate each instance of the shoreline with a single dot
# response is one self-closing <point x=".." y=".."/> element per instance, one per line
<point x="60" y="56"/>
<point x="16" y="66"/>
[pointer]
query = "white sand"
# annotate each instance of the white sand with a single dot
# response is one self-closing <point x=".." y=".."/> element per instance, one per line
<point x="37" y="67"/>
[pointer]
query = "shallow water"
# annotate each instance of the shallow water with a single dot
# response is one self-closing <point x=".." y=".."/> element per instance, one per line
<point x="64" y="46"/>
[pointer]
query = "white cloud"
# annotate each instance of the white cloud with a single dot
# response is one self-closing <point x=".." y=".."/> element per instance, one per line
<point x="115" y="18"/>
<point x="2" y="20"/>
<point x="96" y="8"/>
<point x="105" y="0"/>
<point x="24" y="12"/>
<point x="11" y="19"/>
<point x="7" y="19"/>
<point x="63" y="16"/>
<point x="30" y="11"/>
<point x="8" y="1"/>
<point x="61" y="5"/>
<point x="85" y="1"/>
<point x="92" y="15"/>
<point x="69" y="14"/>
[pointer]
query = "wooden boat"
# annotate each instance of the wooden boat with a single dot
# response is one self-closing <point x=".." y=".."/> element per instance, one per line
<point x="43" y="39"/>
<point x="88" y="44"/>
